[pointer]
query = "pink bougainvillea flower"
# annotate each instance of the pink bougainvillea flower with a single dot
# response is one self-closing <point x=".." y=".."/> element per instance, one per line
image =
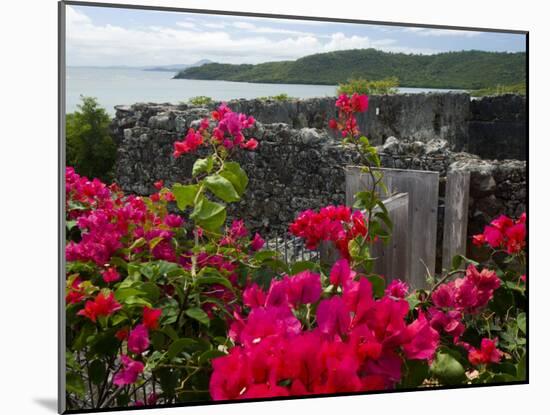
<point x="479" y="240"/>
<point x="359" y="103"/>
<point x="110" y="275"/>
<point x="138" y="339"/>
<point x="173" y="221"/>
<point x="487" y="353"/>
<point x="333" y="317"/>
<point x="151" y="317"/>
<point x="447" y="322"/>
<point x="75" y="294"/>
<point x="129" y="371"/>
<point x="502" y="223"/>
<point x="397" y="289"/>
<point x="192" y="141"/>
<point x="257" y="242"/>
<point x="303" y="288"/>
<point x="254" y="296"/>
<point x="333" y="124"/>
<point x="341" y="273"/>
<point x="515" y="235"/>
<point x="238" y="229"/>
<point x="277" y="296"/>
<point x="523" y="278"/>
<point x="358" y="298"/>
<point x="423" y="339"/>
<point x="251" y="144"/>
<point x="159" y="184"/>
<point x="493" y="236"/>
<point x="100" y="306"/>
<point x="443" y="296"/>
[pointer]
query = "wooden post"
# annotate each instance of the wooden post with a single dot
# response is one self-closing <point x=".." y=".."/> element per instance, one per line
<point x="455" y="227"/>
<point x="423" y="190"/>
<point x="392" y="256"/>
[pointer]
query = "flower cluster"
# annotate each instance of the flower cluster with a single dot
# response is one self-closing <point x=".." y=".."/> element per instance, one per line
<point x="227" y="132"/>
<point x="356" y="343"/>
<point x="468" y="294"/>
<point x="347" y="107"/>
<point x="332" y="223"/>
<point x="504" y="233"/>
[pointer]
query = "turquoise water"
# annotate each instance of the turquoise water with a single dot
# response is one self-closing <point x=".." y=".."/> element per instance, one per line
<point x="127" y="86"/>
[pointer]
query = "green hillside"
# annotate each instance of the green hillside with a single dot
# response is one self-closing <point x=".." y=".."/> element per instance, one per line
<point x="461" y="70"/>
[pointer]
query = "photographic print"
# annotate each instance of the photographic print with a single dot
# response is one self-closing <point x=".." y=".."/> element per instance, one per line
<point x="260" y="207"/>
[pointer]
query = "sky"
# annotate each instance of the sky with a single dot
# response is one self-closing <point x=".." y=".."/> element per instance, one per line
<point x="103" y="36"/>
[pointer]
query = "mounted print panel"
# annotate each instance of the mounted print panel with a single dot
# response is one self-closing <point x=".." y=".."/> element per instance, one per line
<point x="259" y="207"/>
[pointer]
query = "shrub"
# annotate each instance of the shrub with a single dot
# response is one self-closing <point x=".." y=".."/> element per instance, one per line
<point x="90" y="148"/>
<point x="201" y="100"/>
<point x="364" y="86"/>
<point x="280" y="97"/>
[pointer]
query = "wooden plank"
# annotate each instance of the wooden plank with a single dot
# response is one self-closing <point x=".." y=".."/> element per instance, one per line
<point x="393" y="256"/>
<point x="423" y="190"/>
<point x="455" y="227"/>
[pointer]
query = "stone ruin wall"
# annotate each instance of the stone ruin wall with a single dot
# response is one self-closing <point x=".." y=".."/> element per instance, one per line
<point x="300" y="165"/>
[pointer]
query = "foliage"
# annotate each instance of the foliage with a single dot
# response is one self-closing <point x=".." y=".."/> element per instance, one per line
<point x="90" y="148"/>
<point x="461" y="70"/>
<point x="164" y="307"/>
<point x="280" y="97"/>
<point x="201" y="100"/>
<point x="518" y="89"/>
<point x="364" y="86"/>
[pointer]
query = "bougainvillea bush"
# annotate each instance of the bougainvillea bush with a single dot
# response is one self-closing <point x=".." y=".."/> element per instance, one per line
<point x="168" y="301"/>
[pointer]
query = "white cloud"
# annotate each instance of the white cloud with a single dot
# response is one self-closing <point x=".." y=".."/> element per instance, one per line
<point x="186" y="25"/>
<point x="244" y="25"/>
<point x="441" y="32"/>
<point x="92" y="44"/>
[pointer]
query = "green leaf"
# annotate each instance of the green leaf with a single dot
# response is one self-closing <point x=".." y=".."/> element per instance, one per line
<point x="209" y="215"/>
<point x="215" y="279"/>
<point x="522" y="322"/>
<point x="300" y="266"/>
<point x="413" y="300"/>
<point x="522" y="368"/>
<point x="203" y="166"/>
<point x="233" y="172"/>
<point x="70" y="224"/>
<point x="222" y="188"/>
<point x="385" y="218"/>
<point x="97" y="372"/>
<point x="185" y="195"/>
<point x="199" y="315"/>
<point x="262" y="256"/>
<point x="179" y="346"/>
<point x="150" y="290"/>
<point x="447" y="368"/>
<point x="209" y="355"/>
<point x="123" y="293"/>
<point x="75" y="384"/>
<point x="378" y="285"/>
<point x="417" y="372"/>
<point x="364" y="200"/>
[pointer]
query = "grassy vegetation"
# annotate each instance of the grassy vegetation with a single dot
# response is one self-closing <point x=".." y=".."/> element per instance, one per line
<point x="90" y="148"/>
<point x="461" y="70"/>
<point x="364" y="86"/>
<point x="519" y="89"/>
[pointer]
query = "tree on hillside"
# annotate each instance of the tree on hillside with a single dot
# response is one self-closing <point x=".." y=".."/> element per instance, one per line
<point x="90" y="148"/>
